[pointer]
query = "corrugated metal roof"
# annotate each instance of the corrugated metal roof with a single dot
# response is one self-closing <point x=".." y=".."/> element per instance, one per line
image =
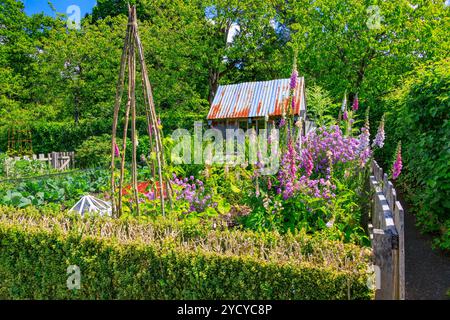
<point x="255" y="99"/>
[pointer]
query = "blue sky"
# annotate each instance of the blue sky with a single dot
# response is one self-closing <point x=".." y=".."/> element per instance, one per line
<point x="38" y="6"/>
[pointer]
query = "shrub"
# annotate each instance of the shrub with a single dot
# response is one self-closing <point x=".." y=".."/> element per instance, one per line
<point x="169" y="260"/>
<point x="94" y="152"/>
<point x="420" y="119"/>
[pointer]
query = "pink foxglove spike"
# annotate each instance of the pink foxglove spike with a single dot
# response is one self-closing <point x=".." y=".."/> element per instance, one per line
<point x="356" y="103"/>
<point x="398" y="164"/>
<point x="294" y="78"/>
<point x="116" y="150"/>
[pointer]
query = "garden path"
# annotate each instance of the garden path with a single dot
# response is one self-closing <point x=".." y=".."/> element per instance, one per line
<point x="427" y="271"/>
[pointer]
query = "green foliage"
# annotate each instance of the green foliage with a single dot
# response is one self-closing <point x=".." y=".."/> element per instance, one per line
<point x="165" y="261"/>
<point x="60" y="136"/>
<point x="420" y="119"/>
<point x="21" y="37"/>
<point x="50" y="73"/>
<point x="94" y="152"/>
<point x="14" y="169"/>
<point x="340" y="218"/>
<point x="349" y="45"/>
<point x="64" y="190"/>
<point x="320" y="106"/>
<point x="230" y="184"/>
<point x="67" y="136"/>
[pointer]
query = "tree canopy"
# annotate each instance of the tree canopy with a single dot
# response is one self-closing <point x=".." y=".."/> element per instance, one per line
<point x="51" y="73"/>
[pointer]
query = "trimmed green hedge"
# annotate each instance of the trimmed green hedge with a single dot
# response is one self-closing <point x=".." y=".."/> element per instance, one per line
<point x="419" y="116"/>
<point x="67" y="136"/>
<point x="169" y="260"/>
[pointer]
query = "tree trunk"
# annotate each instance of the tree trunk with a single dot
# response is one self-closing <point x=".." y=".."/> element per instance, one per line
<point x="214" y="76"/>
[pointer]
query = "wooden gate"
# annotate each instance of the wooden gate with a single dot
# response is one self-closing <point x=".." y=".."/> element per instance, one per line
<point x="57" y="160"/>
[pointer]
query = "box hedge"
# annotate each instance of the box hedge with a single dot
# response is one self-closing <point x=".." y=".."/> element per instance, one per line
<point x="169" y="260"/>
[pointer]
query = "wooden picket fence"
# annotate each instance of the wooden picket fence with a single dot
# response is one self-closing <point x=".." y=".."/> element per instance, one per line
<point x="387" y="234"/>
<point x="57" y="160"/>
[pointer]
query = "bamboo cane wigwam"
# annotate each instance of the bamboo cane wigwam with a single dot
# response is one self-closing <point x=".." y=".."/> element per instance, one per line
<point x="133" y="46"/>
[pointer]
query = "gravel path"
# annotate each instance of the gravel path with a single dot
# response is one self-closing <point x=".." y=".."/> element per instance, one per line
<point x="427" y="271"/>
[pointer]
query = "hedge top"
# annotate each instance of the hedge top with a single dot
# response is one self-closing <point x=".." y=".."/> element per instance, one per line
<point x="299" y="249"/>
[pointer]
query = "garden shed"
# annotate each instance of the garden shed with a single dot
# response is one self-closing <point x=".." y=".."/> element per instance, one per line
<point x="248" y="104"/>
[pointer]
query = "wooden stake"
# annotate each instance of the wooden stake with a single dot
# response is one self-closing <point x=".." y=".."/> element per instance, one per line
<point x="118" y="100"/>
<point x="133" y="110"/>
<point x="124" y="141"/>
<point x="132" y="40"/>
<point x="154" y="121"/>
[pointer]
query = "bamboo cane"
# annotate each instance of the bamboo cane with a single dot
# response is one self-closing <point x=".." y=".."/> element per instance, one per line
<point x="133" y="110"/>
<point x="124" y="140"/>
<point x="118" y="100"/>
<point x="154" y="121"/>
<point x="149" y="124"/>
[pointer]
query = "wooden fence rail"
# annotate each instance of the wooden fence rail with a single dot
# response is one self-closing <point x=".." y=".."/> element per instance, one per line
<point x="57" y="160"/>
<point x="387" y="234"/>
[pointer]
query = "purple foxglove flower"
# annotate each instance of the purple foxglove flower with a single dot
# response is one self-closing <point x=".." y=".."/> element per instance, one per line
<point x="345" y="115"/>
<point x="150" y="195"/>
<point x="364" y="150"/>
<point x="292" y="156"/>
<point x="308" y="162"/>
<point x="379" y="138"/>
<point x="116" y="150"/>
<point x="398" y="165"/>
<point x="356" y="103"/>
<point x="259" y="161"/>
<point x="294" y="78"/>
<point x="282" y="122"/>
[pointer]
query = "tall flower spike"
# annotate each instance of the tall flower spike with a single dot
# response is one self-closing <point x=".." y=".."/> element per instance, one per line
<point x="379" y="138"/>
<point x="294" y="79"/>
<point x="344" y="103"/>
<point x="398" y="164"/>
<point x="355" y="103"/>
<point x="293" y="84"/>
<point x="307" y="162"/>
<point x="367" y="123"/>
<point x="116" y="150"/>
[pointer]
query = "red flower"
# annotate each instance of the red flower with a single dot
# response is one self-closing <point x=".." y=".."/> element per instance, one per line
<point x="143" y="188"/>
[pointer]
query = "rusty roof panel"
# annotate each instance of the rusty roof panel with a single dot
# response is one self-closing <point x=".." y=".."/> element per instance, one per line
<point x="255" y="99"/>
